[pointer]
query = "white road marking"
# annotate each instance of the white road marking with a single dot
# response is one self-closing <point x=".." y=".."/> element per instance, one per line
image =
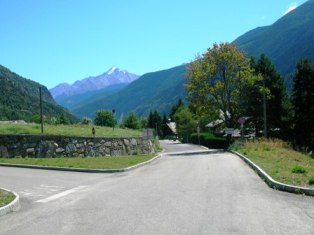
<point x="62" y="194"/>
<point x="41" y="190"/>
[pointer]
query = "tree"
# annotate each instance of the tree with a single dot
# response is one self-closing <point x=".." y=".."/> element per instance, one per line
<point x="131" y="121"/>
<point x="185" y="123"/>
<point x="278" y="106"/>
<point x="104" y="118"/>
<point x="175" y="107"/>
<point x="216" y="81"/>
<point x="303" y="102"/>
<point x="62" y="119"/>
<point x="155" y="122"/>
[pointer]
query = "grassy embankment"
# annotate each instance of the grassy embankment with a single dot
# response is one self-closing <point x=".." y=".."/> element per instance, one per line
<point x="85" y="163"/>
<point x="280" y="161"/>
<point x="75" y="162"/>
<point x="5" y="198"/>
<point x="67" y="130"/>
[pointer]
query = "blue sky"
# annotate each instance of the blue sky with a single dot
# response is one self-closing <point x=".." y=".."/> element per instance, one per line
<point x="56" y="41"/>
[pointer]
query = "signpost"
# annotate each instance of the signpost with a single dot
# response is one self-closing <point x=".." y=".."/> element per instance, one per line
<point x="242" y="121"/>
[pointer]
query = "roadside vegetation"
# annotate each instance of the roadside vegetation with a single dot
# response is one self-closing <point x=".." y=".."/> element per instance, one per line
<point x="279" y="160"/>
<point x="68" y="130"/>
<point x="5" y="198"/>
<point x="85" y="163"/>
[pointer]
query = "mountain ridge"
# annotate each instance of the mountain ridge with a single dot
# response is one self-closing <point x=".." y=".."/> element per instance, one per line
<point x="19" y="98"/>
<point x="93" y="83"/>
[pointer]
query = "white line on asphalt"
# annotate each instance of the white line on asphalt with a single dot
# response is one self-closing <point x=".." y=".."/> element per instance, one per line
<point x="62" y="194"/>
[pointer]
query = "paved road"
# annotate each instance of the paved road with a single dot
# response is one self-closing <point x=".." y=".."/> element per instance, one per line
<point x="195" y="194"/>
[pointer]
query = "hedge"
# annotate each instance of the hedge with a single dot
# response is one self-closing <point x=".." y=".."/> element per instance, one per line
<point x="210" y="140"/>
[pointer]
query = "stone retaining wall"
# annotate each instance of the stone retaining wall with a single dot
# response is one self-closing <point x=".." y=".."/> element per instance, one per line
<point x="56" y="146"/>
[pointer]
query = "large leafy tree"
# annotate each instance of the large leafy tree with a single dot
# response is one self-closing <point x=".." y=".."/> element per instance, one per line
<point x="105" y="118"/>
<point x="303" y="102"/>
<point x="278" y="107"/>
<point x="132" y="121"/>
<point x="216" y="81"/>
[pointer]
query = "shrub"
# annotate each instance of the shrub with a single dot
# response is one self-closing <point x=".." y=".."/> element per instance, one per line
<point x="298" y="170"/>
<point x="311" y="180"/>
<point x="210" y="141"/>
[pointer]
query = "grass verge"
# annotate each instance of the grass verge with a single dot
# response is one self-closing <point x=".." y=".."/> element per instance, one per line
<point x="5" y="198"/>
<point x="279" y="161"/>
<point x="67" y="130"/>
<point x="85" y="163"/>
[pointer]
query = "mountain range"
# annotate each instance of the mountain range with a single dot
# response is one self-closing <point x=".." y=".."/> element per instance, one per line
<point x="284" y="42"/>
<point x="70" y="95"/>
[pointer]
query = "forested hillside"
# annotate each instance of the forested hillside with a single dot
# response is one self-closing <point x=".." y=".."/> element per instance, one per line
<point x="284" y="42"/>
<point x="19" y="99"/>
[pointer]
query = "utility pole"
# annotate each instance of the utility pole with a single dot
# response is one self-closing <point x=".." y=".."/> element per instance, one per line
<point x="41" y="111"/>
<point x="264" y="108"/>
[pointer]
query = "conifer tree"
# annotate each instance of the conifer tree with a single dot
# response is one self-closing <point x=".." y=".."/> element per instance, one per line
<point x="303" y="102"/>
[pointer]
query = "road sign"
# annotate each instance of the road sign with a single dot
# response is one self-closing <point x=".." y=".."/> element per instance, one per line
<point x="242" y="120"/>
<point x="229" y="131"/>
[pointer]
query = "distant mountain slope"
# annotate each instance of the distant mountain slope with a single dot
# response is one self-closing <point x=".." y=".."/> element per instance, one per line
<point x="92" y="88"/>
<point x="113" y="76"/>
<point x="152" y="91"/>
<point x="19" y="98"/>
<point x="285" y="42"/>
<point x="76" y="101"/>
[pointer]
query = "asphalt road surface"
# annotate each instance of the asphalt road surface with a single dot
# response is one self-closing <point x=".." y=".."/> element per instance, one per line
<point x="210" y="193"/>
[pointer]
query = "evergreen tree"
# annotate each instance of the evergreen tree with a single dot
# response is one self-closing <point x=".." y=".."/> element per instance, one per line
<point x="303" y="102"/>
<point x="155" y="122"/>
<point x="278" y="106"/>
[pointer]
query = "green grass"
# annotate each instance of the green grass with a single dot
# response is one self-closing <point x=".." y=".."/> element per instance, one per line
<point x="280" y="161"/>
<point x="5" y="198"/>
<point x="86" y="163"/>
<point x="67" y="130"/>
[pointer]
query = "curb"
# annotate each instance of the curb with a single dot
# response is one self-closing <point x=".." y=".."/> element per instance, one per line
<point x="55" y="168"/>
<point x="273" y="183"/>
<point x="195" y="152"/>
<point x="11" y="207"/>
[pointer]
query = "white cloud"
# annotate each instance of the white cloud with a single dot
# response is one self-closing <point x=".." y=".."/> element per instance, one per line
<point x="291" y="7"/>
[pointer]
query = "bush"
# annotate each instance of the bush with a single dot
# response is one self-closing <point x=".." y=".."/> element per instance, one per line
<point x="311" y="180"/>
<point x="298" y="170"/>
<point x="210" y="141"/>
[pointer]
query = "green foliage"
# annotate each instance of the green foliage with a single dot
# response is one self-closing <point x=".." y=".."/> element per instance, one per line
<point x="209" y="140"/>
<point x="155" y="122"/>
<point x="19" y="99"/>
<point x="86" y="121"/>
<point x="303" y="102"/>
<point x="62" y="120"/>
<point x="298" y="170"/>
<point x="216" y="81"/>
<point x="131" y="121"/>
<point x="311" y="180"/>
<point x="278" y="105"/>
<point x="105" y="118"/>
<point x="185" y="122"/>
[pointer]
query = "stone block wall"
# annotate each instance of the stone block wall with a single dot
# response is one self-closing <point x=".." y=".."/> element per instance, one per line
<point x="56" y="146"/>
